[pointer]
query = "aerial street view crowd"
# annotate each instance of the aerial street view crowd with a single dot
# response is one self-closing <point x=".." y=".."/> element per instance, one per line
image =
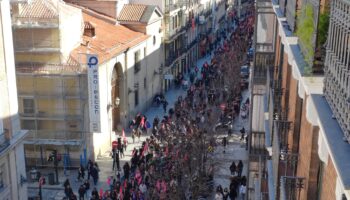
<point x="176" y="160"/>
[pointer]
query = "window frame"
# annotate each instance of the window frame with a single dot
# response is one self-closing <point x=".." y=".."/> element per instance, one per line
<point x="137" y="61"/>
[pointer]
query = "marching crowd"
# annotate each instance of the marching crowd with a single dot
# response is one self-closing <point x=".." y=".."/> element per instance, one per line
<point x="173" y="162"/>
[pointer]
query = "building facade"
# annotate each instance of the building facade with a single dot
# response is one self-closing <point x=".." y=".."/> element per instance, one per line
<point x="304" y="153"/>
<point x="337" y="65"/>
<point x="12" y="164"/>
<point x="189" y="30"/>
<point x="66" y="106"/>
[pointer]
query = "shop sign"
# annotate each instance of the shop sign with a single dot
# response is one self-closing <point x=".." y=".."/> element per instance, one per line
<point x="94" y="93"/>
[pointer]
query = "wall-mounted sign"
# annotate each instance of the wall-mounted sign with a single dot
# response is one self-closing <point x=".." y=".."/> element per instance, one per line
<point x="94" y="93"/>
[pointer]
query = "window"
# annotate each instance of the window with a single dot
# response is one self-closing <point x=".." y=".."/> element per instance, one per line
<point x="144" y="52"/>
<point x="136" y="97"/>
<point x="28" y="106"/>
<point x="154" y="40"/>
<point x="2" y="176"/>
<point x="137" y="65"/>
<point x="145" y="82"/>
<point x="28" y="124"/>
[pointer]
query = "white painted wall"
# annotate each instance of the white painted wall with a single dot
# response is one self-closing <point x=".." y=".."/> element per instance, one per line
<point x="11" y="160"/>
<point x="71" y="27"/>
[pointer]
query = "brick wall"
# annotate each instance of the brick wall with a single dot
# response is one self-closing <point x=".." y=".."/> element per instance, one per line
<point x="293" y="114"/>
<point x="285" y="81"/>
<point x="308" y="162"/>
<point x="328" y="181"/>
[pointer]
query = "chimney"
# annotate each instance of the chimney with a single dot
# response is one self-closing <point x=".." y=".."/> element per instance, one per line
<point x="89" y="29"/>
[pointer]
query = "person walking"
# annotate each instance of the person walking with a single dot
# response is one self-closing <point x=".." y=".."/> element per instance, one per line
<point x="81" y="172"/>
<point x="165" y="104"/>
<point x="224" y="143"/>
<point x="242" y="191"/>
<point x="233" y="168"/>
<point x="89" y="167"/>
<point x="94" y="194"/>
<point x="242" y="133"/>
<point x="81" y="192"/>
<point x="116" y="161"/>
<point x="126" y="168"/>
<point x="246" y="142"/>
<point x="68" y="191"/>
<point x="240" y="168"/>
<point x="94" y="173"/>
<point x="226" y="194"/>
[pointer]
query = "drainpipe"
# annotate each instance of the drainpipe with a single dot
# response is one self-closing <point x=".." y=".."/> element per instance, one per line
<point x="125" y="89"/>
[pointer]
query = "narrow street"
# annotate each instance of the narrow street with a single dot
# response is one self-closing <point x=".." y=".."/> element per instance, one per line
<point x="197" y="103"/>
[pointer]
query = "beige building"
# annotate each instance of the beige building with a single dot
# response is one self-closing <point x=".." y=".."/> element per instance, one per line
<point x="189" y="28"/>
<point x="65" y="105"/>
<point x="12" y="167"/>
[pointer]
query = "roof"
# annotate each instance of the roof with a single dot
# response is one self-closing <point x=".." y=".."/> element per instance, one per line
<point x="44" y="9"/>
<point x="137" y="13"/>
<point x="109" y="40"/>
<point x="339" y="149"/>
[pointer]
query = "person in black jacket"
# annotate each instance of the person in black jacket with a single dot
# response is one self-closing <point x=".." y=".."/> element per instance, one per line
<point x="68" y="191"/>
<point x="81" y="192"/>
<point x="126" y="168"/>
<point x="94" y="194"/>
<point x="81" y="172"/>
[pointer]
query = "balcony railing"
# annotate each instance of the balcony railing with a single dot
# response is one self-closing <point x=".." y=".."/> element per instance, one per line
<point x="172" y="34"/>
<point x="171" y="7"/>
<point x="290" y="187"/>
<point x="4" y="142"/>
<point x="54" y="135"/>
<point x="174" y="55"/>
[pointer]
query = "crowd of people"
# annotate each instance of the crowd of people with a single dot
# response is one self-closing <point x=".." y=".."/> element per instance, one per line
<point x="176" y="161"/>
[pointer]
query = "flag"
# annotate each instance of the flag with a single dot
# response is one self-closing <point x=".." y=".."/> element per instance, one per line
<point x="121" y="193"/>
<point x="123" y="134"/>
<point x="142" y="124"/>
<point x="145" y="149"/>
<point x="158" y="185"/>
<point x="101" y="192"/>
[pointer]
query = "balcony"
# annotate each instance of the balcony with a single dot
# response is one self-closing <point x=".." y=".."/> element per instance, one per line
<point x="290" y="187"/>
<point x="42" y="68"/>
<point x="173" y="56"/>
<point x="173" y="34"/>
<point x="43" y="115"/>
<point x="171" y="7"/>
<point x="54" y="135"/>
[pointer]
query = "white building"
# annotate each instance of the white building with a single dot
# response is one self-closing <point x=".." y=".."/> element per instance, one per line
<point x="12" y="167"/>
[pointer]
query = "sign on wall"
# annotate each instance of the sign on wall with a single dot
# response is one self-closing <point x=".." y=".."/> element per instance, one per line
<point x="94" y="93"/>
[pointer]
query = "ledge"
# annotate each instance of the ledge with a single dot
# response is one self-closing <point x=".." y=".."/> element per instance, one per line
<point x="339" y="149"/>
